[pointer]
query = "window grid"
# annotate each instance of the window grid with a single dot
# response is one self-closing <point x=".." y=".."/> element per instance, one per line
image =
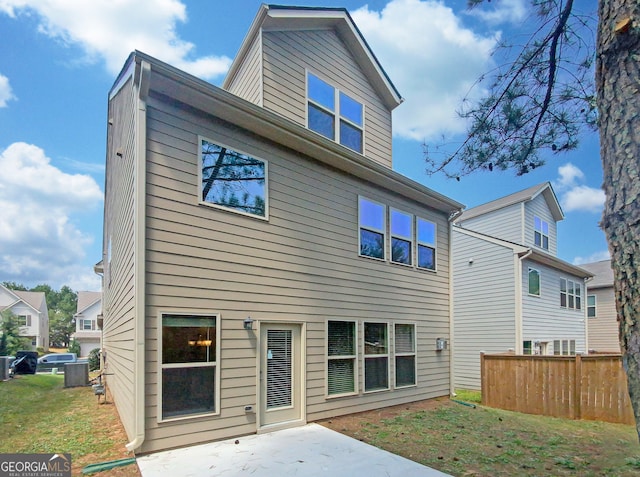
<point x="541" y="233"/>
<point x="570" y="294"/>
<point x="564" y="347"/>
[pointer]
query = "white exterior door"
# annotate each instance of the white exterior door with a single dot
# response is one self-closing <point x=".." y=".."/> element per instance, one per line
<point x="281" y="383"/>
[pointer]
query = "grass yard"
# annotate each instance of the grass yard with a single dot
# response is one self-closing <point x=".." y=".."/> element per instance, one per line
<point x="465" y="441"/>
<point x="38" y="415"/>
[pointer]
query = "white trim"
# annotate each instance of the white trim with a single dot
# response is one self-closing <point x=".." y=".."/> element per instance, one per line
<point x="365" y="356"/>
<point x="404" y="354"/>
<point x="383" y="231"/>
<point x="412" y="238"/>
<point x="531" y="269"/>
<point x="426" y="244"/>
<point x="355" y="357"/>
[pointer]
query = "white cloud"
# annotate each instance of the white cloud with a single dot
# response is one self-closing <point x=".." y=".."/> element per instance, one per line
<point x="5" y="91"/>
<point x="575" y="196"/>
<point x="110" y="30"/>
<point x="594" y="257"/>
<point x="39" y="241"/>
<point x="415" y="42"/>
<point x="500" y="11"/>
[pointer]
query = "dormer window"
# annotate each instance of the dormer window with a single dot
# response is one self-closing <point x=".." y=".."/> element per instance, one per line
<point x="325" y="103"/>
<point x="541" y="233"/>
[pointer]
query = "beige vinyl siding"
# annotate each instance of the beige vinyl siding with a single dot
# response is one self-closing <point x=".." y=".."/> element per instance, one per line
<point x="543" y="319"/>
<point x="248" y="81"/>
<point x="603" y="329"/>
<point x="300" y="266"/>
<point x="118" y="329"/>
<point x="484" y="304"/>
<point x="286" y="57"/>
<point x="505" y="223"/>
<point x="538" y="208"/>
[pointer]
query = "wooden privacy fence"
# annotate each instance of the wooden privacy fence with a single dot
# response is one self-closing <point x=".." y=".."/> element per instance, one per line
<point x="592" y="387"/>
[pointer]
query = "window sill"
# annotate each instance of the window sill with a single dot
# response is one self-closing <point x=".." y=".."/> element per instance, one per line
<point x="338" y="396"/>
<point x="187" y="418"/>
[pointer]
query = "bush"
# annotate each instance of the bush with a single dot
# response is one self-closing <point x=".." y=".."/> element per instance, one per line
<point x="74" y="347"/>
<point x="94" y="359"/>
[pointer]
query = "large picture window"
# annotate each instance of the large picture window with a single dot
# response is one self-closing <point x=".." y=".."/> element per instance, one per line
<point x="376" y="357"/>
<point x="232" y="180"/>
<point x="189" y="365"/>
<point x="426" y="235"/>
<point x="372" y="228"/>
<point x="341" y="357"/>
<point x="405" y="354"/>
<point x="325" y="104"/>
<point x="401" y="237"/>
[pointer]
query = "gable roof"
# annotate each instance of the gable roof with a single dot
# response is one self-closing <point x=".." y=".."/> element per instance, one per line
<point x="602" y="273"/>
<point x="525" y="195"/>
<point x="32" y="299"/>
<point x="280" y="17"/>
<point x="87" y="299"/>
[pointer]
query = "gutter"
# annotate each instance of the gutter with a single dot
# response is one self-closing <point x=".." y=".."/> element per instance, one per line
<point x="141" y="80"/>
<point x="518" y="282"/>
<point x="452" y="387"/>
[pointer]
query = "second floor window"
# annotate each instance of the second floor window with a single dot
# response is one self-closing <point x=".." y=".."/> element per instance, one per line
<point x="534" y="282"/>
<point x="334" y="114"/>
<point x="401" y="237"/>
<point x="372" y="228"/>
<point x="591" y="306"/>
<point x="541" y="233"/>
<point x="570" y="294"/>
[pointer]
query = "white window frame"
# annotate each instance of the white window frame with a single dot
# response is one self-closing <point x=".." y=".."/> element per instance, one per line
<point x="594" y="306"/>
<point x="382" y="231"/>
<point x="564" y="347"/>
<point x="366" y="356"/>
<point x="26" y="319"/>
<point x="572" y="294"/>
<point x="201" y="201"/>
<point x="216" y="365"/>
<point x="338" y="118"/>
<point x="401" y="354"/>
<point x="409" y="238"/>
<point x="539" y="232"/>
<point x="353" y="357"/>
<point x="531" y="269"/>
<point x="433" y="246"/>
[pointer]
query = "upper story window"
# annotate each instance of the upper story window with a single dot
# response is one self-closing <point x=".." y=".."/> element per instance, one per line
<point x="591" y="306"/>
<point x="570" y="294"/>
<point x="534" y="282"/>
<point x="401" y="237"/>
<point x="87" y="325"/>
<point x="24" y="320"/>
<point x="426" y="236"/>
<point x="232" y="180"/>
<point x="334" y="114"/>
<point x="372" y="225"/>
<point x="541" y="233"/>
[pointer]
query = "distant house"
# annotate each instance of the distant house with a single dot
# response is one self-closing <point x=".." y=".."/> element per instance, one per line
<point x="33" y="315"/>
<point x="510" y="290"/>
<point x="88" y="332"/>
<point x="263" y="265"/>
<point x="602" y="318"/>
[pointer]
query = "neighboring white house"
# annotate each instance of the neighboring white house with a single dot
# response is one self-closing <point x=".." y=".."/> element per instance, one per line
<point x="602" y="318"/>
<point x="87" y="331"/>
<point x="33" y="315"/>
<point x="510" y="290"/>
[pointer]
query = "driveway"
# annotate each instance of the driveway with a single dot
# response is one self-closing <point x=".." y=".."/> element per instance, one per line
<point x="311" y="450"/>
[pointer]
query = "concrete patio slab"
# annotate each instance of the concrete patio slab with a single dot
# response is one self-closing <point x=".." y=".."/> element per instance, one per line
<point x="311" y="450"/>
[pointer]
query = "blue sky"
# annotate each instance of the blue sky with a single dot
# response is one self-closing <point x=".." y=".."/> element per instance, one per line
<point x="60" y="58"/>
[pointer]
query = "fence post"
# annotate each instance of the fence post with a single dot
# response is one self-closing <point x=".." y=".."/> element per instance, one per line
<point x="483" y="380"/>
<point x="578" y="388"/>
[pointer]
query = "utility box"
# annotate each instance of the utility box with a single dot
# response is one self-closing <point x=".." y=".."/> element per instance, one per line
<point x="76" y="374"/>
<point x="4" y="368"/>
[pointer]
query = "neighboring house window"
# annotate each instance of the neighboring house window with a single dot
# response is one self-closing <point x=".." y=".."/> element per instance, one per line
<point x="405" y="354"/>
<point x="564" y="347"/>
<point x="24" y="320"/>
<point x="376" y="357"/>
<point x="325" y="104"/>
<point x="34" y="341"/>
<point x="570" y="294"/>
<point x="534" y="282"/>
<point x="372" y="228"/>
<point x="541" y="233"/>
<point x="527" y="347"/>
<point x="190" y="373"/>
<point x="232" y="180"/>
<point x="341" y="357"/>
<point x="591" y="306"/>
<point x="87" y="325"/>
<point x="426" y="235"/>
<point x="401" y="237"/>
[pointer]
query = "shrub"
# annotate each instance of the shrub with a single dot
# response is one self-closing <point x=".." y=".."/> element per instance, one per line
<point x="94" y="359"/>
<point x="74" y="347"/>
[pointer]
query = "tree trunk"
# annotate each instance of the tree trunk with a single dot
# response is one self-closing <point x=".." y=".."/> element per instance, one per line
<point x="618" y="101"/>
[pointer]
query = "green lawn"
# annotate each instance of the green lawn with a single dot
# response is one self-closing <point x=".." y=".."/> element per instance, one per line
<point x="39" y="415"/>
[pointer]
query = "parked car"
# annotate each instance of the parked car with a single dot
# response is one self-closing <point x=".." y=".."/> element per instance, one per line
<point x="56" y="360"/>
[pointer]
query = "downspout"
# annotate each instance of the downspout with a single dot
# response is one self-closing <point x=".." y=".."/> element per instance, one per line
<point x="585" y="310"/>
<point x="452" y="387"/>
<point x="518" y="282"/>
<point x="142" y="82"/>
